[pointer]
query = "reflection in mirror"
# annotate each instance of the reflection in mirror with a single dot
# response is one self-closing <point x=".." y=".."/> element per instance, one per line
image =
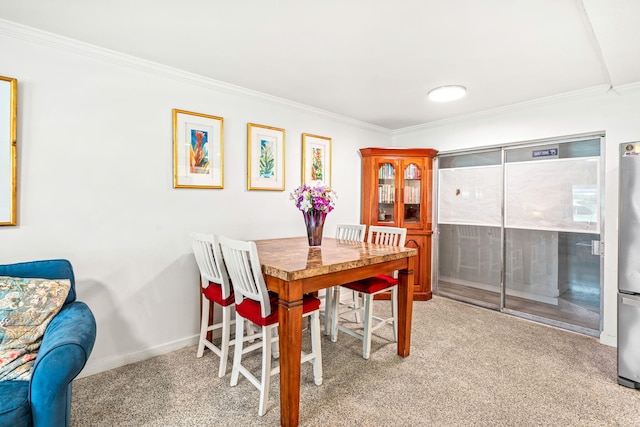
<point x="8" y="176"/>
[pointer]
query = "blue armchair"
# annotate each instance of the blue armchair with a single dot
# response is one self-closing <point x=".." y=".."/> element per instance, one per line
<point x="65" y="348"/>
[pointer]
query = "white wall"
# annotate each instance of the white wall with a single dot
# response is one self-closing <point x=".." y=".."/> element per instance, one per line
<point x="95" y="183"/>
<point x="95" y="177"/>
<point x="615" y="112"/>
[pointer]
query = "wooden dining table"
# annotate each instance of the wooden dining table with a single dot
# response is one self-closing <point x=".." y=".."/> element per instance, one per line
<point x="292" y="268"/>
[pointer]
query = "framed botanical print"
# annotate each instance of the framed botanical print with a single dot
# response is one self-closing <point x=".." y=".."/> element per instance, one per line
<point x="316" y="159"/>
<point x="198" y="154"/>
<point x="8" y="151"/>
<point x="265" y="157"/>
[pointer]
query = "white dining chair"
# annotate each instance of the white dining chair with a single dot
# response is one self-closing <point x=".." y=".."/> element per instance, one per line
<point x="368" y="288"/>
<point x="352" y="233"/>
<point x="214" y="287"/>
<point x="260" y="307"/>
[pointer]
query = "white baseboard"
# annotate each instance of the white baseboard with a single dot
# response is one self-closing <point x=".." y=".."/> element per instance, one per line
<point x="610" y="340"/>
<point x="95" y="366"/>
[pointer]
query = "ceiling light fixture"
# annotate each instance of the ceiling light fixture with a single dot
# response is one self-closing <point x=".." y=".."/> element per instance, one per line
<point x="447" y="93"/>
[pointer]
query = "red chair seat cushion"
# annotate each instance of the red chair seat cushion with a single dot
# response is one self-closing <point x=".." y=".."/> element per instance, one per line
<point x="372" y="285"/>
<point x="250" y="309"/>
<point x="213" y="292"/>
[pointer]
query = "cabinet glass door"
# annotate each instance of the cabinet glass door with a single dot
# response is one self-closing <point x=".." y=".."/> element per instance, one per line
<point x="412" y="188"/>
<point x="386" y="192"/>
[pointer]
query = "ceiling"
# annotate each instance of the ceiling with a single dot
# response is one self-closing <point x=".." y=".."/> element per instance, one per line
<point x="371" y="60"/>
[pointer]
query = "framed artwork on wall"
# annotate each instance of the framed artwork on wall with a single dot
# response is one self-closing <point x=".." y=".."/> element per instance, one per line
<point x="198" y="154"/>
<point x="316" y="159"/>
<point x="265" y="158"/>
<point x="8" y="151"/>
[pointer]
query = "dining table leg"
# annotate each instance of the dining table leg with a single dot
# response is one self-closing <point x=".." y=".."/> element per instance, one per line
<point x="405" y="307"/>
<point x="290" y="319"/>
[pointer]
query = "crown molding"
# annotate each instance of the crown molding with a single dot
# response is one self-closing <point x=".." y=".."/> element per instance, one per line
<point x="55" y="41"/>
<point x="526" y="105"/>
<point x="629" y="88"/>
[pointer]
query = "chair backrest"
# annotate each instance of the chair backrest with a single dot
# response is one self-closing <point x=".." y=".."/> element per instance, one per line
<point x="352" y="232"/>
<point x="392" y="236"/>
<point x="206" y="250"/>
<point x="245" y="271"/>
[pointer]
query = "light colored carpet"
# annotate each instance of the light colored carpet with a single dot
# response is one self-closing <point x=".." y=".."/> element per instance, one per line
<point x="468" y="367"/>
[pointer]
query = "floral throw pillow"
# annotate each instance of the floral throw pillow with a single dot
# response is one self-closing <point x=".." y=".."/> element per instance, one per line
<point x="26" y="308"/>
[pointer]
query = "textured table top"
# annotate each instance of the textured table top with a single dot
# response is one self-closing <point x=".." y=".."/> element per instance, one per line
<point x="293" y="259"/>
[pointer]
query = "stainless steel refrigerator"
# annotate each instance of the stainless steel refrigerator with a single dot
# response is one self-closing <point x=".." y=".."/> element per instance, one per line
<point x="629" y="266"/>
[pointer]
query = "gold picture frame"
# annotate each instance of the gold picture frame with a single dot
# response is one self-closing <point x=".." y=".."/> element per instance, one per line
<point x="316" y="159"/>
<point x="265" y="157"/>
<point x="198" y="150"/>
<point x="8" y="151"/>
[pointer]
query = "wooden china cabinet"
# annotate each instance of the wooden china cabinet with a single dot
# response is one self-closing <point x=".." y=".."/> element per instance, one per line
<point x="396" y="192"/>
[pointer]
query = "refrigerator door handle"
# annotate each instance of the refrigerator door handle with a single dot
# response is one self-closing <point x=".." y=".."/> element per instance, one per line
<point x="629" y="300"/>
